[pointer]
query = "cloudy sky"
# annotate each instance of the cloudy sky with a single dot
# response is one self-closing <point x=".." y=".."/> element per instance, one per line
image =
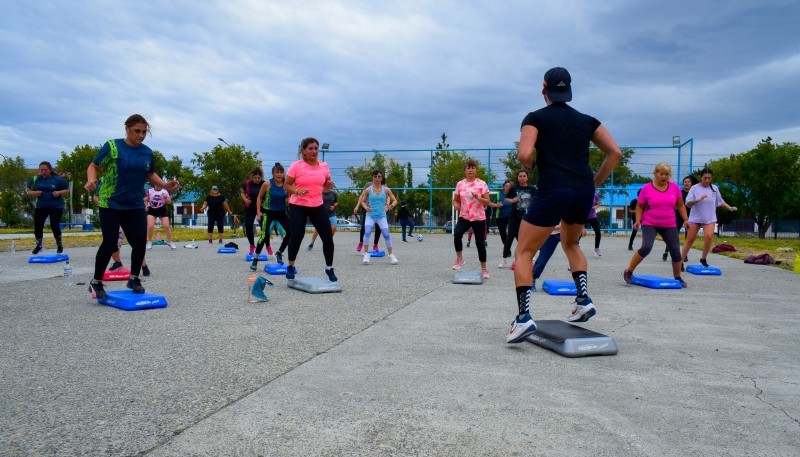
<point x="386" y="75"/>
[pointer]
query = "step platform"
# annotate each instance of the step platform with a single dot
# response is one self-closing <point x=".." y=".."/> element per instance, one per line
<point x="377" y="253"/>
<point x="129" y="301"/>
<point x="120" y="274"/>
<point x="261" y="257"/>
<point x="314" y="285"/>
<point x="710" y="270"/>
<point x="48" y="258"/>
<point x="224" y="250"/>
<point x="571" y="340"/>
<point x="656" y="282"/>
<point x="275" y="269"/>
<point x="159" y="243"/>
<point x="559" y="287"/>
<point x="468" y="277"/>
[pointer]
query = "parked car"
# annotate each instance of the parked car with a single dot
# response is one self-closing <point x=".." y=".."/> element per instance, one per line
<point x="344" y="224"/>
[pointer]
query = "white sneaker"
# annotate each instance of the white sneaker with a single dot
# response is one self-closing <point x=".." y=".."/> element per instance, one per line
<point x="149" y="245"/>
<point x="597" y="252"/>
<point x="392" y="259"/>
<point x="503" y="264"/>
<point x="172" y="245"/>
<point x="365" y="261"/>
<point x="520" y="329"/>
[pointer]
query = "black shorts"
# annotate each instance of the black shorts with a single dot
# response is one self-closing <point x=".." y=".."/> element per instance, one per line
<point x="157" y="212"/>
<point x="551" y="206"/>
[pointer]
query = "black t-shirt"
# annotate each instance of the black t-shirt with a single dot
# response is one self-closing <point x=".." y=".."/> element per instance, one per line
<point x="525" y="194"/>
<point x="214" y="203"/>
<point x="562" y="146"/>
<point x="251" y="190"/>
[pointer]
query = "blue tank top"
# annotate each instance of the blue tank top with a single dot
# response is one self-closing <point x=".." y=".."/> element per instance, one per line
<point x="377" y="203"/>
<point x="277" y="196"/>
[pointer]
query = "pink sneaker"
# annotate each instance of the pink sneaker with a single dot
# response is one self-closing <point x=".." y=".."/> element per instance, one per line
<point x="459" y="263"/>
<point x="375" y="247"/>
<point x="269" y="250"/>
<point x="252" y="249"/>
<point x="358" y="248"/>
<point x="485" y="273"/>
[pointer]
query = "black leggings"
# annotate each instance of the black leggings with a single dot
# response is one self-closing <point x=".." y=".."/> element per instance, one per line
<point x="266" y="221"/>
<point x="478" y="229"/>
<point x="513" y="232"/>
<point x="318" y="216"/>
<point x="633" y="233"/>
<point x="249" y="228"/>
<point x="134" y="224"/>
<point x="668" y="234"/>
<point x="595" y="224"/>
<point x="502" y="227"/>
<point x="215" y="220"/>
<point x="40" y="215"/>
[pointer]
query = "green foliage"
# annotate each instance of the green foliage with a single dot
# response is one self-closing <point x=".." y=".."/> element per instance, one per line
<point x="73" y="167"/>
<point x="13" y="197"/>
<point x="347" y="201"/>
<point x="763" y="182"/>
<point x="227" y="167"/>
<point x="394" y="173"/>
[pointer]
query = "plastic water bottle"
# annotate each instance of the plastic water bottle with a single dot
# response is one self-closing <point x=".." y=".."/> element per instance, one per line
<point x="13" y="247"/>
<point x="67" y="274"/>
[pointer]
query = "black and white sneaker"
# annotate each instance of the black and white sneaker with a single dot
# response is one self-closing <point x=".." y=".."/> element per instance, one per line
<point x="135" y="284"/>
<point x="37" y="249"/>
<point x="115" y="266"/>
<point x="97" y="290"/>
<point x="60" y="248"/>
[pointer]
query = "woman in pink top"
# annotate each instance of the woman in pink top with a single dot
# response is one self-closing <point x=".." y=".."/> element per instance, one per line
<point x="655" y="214"/>
<point x="470" y="199"/>
<point x="305" y="180"/>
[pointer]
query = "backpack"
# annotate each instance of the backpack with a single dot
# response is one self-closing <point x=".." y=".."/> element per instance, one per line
<point x="723" y="247"/>
<point x="761" y="259"/>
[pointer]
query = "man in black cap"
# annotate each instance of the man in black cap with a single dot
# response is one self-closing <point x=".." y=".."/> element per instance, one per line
<point x="406" y="220"/>
<point x="560" y="136"/>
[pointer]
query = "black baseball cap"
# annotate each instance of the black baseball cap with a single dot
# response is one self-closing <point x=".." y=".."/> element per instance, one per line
<point x="559" y="84"/>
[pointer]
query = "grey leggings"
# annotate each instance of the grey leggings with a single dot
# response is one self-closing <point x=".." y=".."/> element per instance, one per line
<point x="670" y="236"/>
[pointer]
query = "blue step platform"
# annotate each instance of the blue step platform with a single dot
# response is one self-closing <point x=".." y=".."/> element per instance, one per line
<point x="261" y="257"/>
<point x="48" y="258"/>
<point x="656" y="282"/>
<point x="275" y="269"/>
<point x="129" y="301"/>
<point x="559" y="287"/>
<point x="377" y="253"/>
<point x="224" y="250"/>
<point x="701" y="270"/>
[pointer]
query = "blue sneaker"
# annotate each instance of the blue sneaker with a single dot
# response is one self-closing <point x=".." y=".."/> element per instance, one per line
<point x="332" y="277"/>
<point x="290" y="271"/>
<point x="583" y="311"/>
<point x="533" y="286"/>
<point x="279" y="258"/>
<point x="254" y="265"/>
<point x="522" y="326"/>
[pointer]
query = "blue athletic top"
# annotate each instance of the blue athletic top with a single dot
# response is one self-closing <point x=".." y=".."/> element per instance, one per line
<point x="48" y="186"/>
<point x="377" y="203"/>
<point x="505" y="211"/>
<point x="277" y="196"/>
<point x="125" y="170"/>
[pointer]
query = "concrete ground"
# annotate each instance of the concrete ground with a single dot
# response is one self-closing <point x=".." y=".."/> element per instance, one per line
<point x="402" y="362"/>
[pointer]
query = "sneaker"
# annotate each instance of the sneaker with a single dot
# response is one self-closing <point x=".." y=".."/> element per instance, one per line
<point x="664" y="257"/>
<point x="254" y="264"/>
<point x="683" y="268"/>
<point x="503" y="263"/>
<point x="97" y="290"/>
<point x="172" y="246"/>
<point x="392" y="259"/>
<point x="374" y="247"/>
<point x="703" y="262"/>
<point x="485" y="273"/>
<point x="115" y="266"/>
<point x="583" y="311"/>
<point x="37" y="249"/>
<point x="220" y="241"/>
<point x="683" y="283"/>
<point x="365" y="260"/>
<point x="149" y="245"/>
<point x="533" y="286"/>
<point x="630" y="248"/>
<point x="486" y="244"/>
<point x="60" y="248"/>
<point x="310" y="246"/>
<point x="459" y="263"/>
<point x="210" y="241"/>
<point x="358" y="248"/>
<point x="331" y="276"/>
<point x="290" y="272"/>
<point x="627" y="276"/>
<point x="145" y="270"/>
<point x="269" y="250"/>
<point x="279" y="258"/>
<point x="686" y="259"/>
<point x="405" y="241"/>
<point x="597" y="252"/>
<point x="469" y="242"/>
<point x="522" y="326"/>
<point x="135" y="284"/>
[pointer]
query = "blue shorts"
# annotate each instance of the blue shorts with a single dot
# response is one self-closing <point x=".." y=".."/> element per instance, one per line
<point x="332" y="220"/>
<point x="549" y="207"/>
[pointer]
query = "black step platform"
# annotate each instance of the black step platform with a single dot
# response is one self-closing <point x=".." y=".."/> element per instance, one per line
<point x="570" y="340"/>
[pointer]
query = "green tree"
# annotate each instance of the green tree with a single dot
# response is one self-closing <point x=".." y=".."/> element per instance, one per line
<point x="72" y="166"/>
<point x="227" y="167"/>
<point x="393" y="172"/>
<point x="761" y="182"/>
<point x="13" y="184"/>
<point x="447" y="168"/>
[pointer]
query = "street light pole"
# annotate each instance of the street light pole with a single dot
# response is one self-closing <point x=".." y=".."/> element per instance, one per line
<point x="226" y="143"/>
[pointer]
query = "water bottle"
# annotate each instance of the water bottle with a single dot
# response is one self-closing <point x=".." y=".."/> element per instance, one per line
<point x="13" y="247"/>
<point x="67" y="274"/>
